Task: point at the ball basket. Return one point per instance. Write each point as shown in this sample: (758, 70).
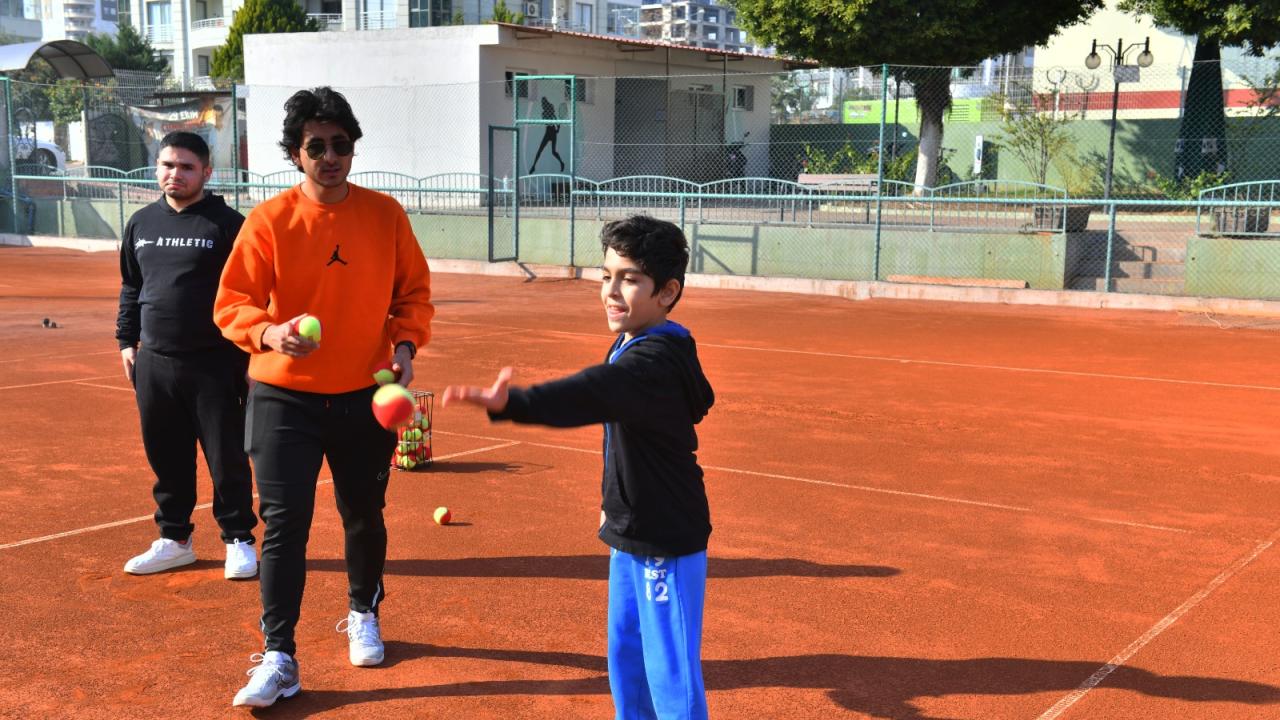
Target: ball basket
(413, 440)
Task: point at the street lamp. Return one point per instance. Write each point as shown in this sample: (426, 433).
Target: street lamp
(1093, 61)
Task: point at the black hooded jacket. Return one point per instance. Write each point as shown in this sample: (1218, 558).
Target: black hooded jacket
(170, 265)
(649, 393)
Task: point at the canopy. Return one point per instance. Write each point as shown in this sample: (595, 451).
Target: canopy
(69, 58)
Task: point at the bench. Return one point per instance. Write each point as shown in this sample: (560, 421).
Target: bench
(843, 184)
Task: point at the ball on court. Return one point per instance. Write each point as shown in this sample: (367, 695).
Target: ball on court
(392, 406)
(383, 374)
(309, 328)
(442, 516)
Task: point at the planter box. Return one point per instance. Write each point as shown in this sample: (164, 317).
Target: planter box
(1049, 217)
(1250, 220)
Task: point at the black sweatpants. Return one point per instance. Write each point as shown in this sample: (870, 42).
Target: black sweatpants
(190, 397)
(287, 435)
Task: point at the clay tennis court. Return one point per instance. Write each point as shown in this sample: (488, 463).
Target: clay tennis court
(921, 510)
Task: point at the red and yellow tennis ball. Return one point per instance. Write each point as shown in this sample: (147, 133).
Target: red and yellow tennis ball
(308, 326)
(392, 406)
(383, 373)
(442, 516)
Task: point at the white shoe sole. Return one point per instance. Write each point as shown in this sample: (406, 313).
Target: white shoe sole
(259, 702)
(161, 566)
(230, 574)
(366, 661)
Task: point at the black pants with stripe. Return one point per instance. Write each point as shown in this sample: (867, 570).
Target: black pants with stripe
(187, 398)
(288, 434)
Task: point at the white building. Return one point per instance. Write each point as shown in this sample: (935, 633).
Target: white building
(21, 19)
(75, 19)
(428, 108)
(697, 24)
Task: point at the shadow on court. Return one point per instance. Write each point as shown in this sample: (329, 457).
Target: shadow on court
(596, 567)
(882, 687)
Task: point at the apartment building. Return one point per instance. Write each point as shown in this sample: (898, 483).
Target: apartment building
(696, 24)
(75, 19)
(20, 19)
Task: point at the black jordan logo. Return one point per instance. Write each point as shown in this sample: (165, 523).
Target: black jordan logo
(336, 257)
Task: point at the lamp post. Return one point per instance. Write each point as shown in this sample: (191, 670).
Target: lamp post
(1093, 61)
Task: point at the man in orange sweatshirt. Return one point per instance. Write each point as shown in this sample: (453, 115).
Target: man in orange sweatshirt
(347, 256)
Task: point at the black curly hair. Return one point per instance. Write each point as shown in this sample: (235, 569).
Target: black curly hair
(657, 246)
(322, 104)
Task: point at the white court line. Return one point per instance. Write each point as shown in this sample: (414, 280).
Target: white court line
(939, 363)
(205, 506)
(57, 382)
(865, 488)
(107, 387)
(58, 355)
(1097, 677)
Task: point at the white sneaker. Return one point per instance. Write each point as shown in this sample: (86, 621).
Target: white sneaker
(242, 561)
(275, 676)
(165, 554)
(364, 639)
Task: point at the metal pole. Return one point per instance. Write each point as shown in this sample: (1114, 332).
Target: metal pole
(13, 158)
(1111, 235)
(235, 145)
(1111, 146)
(573, 165)
(884, 104)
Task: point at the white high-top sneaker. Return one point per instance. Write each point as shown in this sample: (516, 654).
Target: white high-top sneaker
(364, 638)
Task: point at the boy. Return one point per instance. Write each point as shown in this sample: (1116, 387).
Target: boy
(649, 393)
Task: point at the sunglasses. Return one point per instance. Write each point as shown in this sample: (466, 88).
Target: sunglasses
(342, 147)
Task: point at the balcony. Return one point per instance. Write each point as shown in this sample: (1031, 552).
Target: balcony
(378, 20)
(329, 22)
(209, 32)
(78, 11)
(160, 35)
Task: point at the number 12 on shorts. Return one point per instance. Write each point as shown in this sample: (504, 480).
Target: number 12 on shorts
(655, 580)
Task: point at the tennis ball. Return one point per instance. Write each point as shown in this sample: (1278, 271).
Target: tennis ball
(442, 516)
(309, 328)
(392, 405)
(383, 374)
(413, 435)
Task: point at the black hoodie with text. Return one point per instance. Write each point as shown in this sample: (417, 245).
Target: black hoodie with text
(170, 265)
(649, 393)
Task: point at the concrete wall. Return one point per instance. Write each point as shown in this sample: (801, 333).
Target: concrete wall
(1233, 267)
(409, 126)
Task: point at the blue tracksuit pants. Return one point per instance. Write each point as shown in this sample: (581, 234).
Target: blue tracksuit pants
(655, 636)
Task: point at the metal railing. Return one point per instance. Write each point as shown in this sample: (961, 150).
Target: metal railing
(209, 23)
(378, 20)
(331, 22)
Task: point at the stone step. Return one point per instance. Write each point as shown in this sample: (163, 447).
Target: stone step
(1129, 285)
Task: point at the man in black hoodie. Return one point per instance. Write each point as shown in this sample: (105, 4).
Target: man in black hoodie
(188, 380)
(649, 393)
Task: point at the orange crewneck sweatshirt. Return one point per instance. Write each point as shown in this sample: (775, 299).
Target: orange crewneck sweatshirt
(354, 264)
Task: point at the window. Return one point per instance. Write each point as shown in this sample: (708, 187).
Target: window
(581, 90)
(202, 65)
(710, 16)
(158, 14)
(583, 16)
(677, 13)
(744, 97)
(510, 84)
(429, 13)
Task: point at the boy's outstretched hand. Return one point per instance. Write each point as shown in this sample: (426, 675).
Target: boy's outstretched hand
(492, 398)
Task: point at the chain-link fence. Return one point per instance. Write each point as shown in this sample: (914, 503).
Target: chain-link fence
(1152, 179)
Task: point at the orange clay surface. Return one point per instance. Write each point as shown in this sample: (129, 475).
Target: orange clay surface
(921, 510)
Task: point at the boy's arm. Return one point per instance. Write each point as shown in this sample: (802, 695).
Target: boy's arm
(129, 317)
(411, 309)
(244, 292)
(598, 394)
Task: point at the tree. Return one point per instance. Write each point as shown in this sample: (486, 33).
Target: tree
(502, 14)
(127, 50)
(925, 38)
(257, 17)
(1251, 24)
(1034, 137)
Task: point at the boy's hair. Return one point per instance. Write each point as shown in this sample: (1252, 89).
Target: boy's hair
(322, 104)
(187, 141)
(657, 246)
